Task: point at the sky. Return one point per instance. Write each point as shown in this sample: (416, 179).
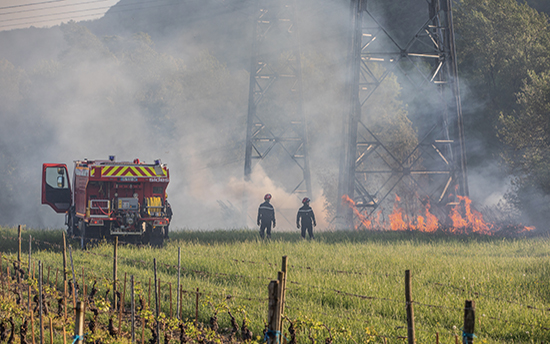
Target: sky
(20, 14)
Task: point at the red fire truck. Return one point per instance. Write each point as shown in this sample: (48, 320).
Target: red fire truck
(110, 198)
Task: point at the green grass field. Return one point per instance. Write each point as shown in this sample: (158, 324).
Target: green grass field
(352, 283)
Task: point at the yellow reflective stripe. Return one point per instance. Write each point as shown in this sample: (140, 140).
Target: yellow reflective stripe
(133, 171)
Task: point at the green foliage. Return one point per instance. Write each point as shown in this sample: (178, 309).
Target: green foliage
(498, 43)
(527, 133)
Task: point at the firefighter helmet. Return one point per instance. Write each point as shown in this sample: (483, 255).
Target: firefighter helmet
(305, 200)
(267, 197)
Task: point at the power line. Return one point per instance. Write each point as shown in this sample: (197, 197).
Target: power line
(51, 7)
(87, 15)
(34, 3)
(49, 20)
(55, 14)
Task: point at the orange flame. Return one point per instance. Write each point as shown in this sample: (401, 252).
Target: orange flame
(472, 219)
(464, 219)
(362, 218)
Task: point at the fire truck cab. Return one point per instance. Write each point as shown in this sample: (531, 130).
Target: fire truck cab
(110, 198)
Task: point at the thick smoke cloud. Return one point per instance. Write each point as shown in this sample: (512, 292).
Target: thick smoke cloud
(177, 96)
(171, 83)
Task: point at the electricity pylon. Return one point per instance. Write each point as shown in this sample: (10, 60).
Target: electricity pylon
(423, 56)
(276, 125)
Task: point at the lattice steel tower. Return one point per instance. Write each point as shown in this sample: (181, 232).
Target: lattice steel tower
(276, 126)
(422, 58)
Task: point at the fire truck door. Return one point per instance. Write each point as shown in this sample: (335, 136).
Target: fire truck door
(56, 189)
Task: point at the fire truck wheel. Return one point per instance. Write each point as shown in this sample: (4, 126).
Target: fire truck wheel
(157, 239)
(154, 236)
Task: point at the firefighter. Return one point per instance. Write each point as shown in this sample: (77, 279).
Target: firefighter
(266, 216)
(169, 215)
(307, 217)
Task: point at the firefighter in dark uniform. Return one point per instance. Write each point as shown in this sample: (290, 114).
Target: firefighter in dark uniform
(307, 217)
(169, 216)
(266, 217)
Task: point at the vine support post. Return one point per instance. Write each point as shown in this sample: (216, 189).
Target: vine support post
(51, 330)
(157, 301)
(65, 299)
(79, 323)
(132, 310)
(115, 248)
(410, 311)
(40, 302)
(19, 255)
(32, 316)
(273, 315)
(64, 257)
(30, 255)
(179, 294)
(283, 290)
(281, 278)
(2, 275)
(469, 322)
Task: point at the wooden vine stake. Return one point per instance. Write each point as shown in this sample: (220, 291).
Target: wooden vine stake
(280, 291)
(282, 284)
(2, 275)
(115, 247)
(79, 323)
(40, 300)
(64, 257)
(272, 314)
(51, 330)
(32, 317)
(8, 279)
(19, 255)
(410, 311)
(65, 299)
(30, 254)
(157, 301)
(178, 302)
(132, 310)
(469, 322)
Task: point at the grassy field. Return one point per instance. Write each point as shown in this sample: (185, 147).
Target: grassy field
(351, 283)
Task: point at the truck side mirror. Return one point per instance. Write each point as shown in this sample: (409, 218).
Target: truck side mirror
(60, 181)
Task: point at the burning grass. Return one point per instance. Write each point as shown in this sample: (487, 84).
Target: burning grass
(461, 219)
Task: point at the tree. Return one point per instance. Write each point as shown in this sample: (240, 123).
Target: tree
(498, 42)
(526, 133)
